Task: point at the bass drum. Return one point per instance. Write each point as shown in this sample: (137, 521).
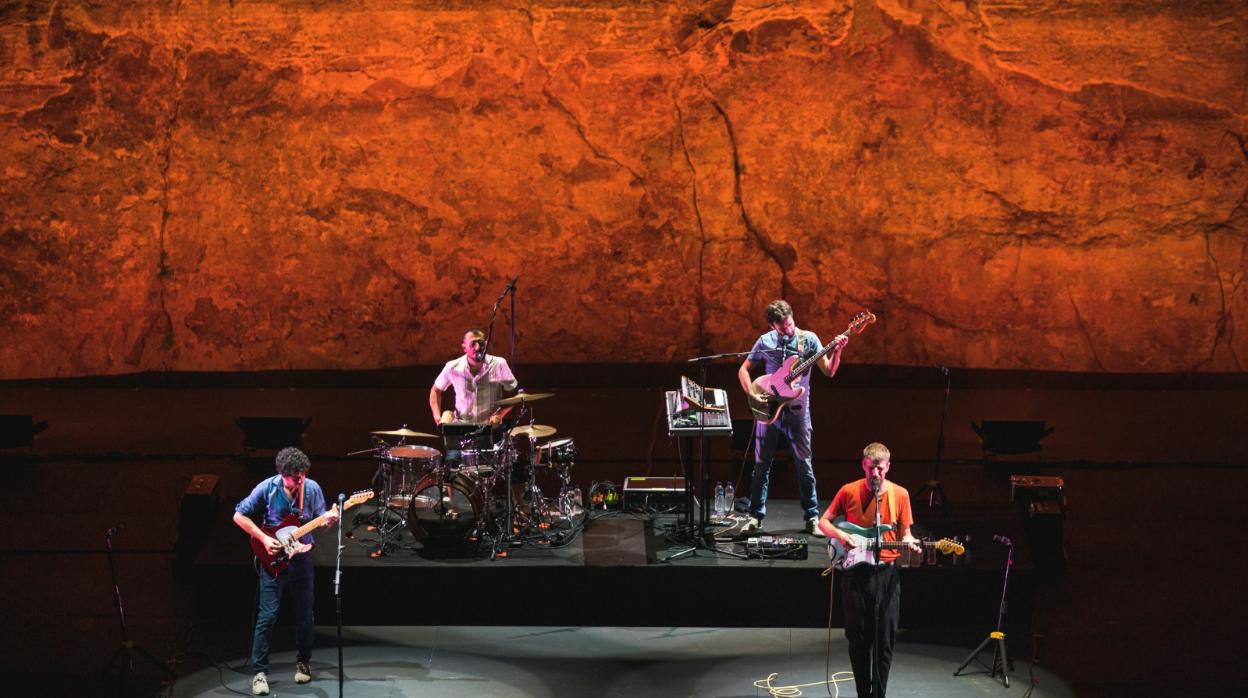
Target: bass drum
(448, 511)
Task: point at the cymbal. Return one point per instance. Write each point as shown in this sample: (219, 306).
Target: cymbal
(405, 432)
(523, 397)
(536, 431)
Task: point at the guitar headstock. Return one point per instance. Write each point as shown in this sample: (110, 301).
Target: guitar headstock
(860, 322)
(357, 498)
(947, 546)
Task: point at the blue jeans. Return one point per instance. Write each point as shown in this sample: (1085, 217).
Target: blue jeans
(298, 579)
(794, 424)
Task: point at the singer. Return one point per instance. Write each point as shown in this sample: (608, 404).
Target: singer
(479, 380)
(871, 594)
(770, 351)
(288, 492)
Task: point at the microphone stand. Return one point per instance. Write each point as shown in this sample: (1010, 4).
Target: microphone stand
(342, 498)
(489, 333)
(124, 656)
(936, 494)
(877, 608)
(1000, 660)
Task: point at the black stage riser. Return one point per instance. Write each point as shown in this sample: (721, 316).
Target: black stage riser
(933, 600)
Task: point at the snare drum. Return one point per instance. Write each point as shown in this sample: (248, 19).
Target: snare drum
(402, 468)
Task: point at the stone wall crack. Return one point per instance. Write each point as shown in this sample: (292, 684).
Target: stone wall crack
(171, 124)
(564, 109)
(766, 245)
(1083, 329)
(702, 243)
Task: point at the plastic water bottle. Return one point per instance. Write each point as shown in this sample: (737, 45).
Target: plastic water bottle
(719, 500)
(730, 498)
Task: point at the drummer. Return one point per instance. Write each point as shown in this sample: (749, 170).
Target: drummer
(479, 380)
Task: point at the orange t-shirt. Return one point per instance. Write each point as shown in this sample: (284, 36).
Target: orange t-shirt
(855, 503)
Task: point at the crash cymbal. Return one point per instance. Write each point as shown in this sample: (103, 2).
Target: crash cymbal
(405, 432)
(536, 431)
(523, 397)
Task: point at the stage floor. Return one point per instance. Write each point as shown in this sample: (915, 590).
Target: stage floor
(540, 661)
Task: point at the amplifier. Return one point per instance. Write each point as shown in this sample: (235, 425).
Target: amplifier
(776, 547)
(656, 492)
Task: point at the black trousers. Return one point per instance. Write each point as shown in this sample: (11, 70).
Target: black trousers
(865, 591)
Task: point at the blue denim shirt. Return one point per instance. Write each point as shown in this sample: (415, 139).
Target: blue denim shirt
(763, 353)
(270, 500)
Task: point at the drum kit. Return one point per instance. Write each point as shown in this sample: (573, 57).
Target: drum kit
(484, 491)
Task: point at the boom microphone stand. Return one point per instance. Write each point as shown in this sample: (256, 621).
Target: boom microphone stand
(1000, 660)
(877, 487)
(124, 656)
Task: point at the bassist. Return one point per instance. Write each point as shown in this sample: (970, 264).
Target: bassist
(793, 421)
(871, 593)
(274, 499)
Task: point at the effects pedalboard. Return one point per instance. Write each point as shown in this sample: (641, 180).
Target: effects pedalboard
(776, 547)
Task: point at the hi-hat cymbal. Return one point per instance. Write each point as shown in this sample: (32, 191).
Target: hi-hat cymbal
(523, 397)
(405, 432)
(535, 431)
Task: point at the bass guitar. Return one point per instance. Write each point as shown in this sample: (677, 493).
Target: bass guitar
(288, 533)
(864, 554)
(772, 391)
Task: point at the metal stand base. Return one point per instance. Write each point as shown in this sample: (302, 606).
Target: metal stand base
(1000, 659)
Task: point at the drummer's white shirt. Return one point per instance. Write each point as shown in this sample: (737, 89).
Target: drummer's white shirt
(475, 395)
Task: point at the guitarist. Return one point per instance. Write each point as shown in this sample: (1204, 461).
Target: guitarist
(871, 593)
(785, 340)
(288, 492)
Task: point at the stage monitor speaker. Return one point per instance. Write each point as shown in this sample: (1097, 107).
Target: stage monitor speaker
(19, 430)
(272, 432)
(1008, 437)
(196, 513)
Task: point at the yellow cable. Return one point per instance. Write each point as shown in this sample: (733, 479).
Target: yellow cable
(796, 689)
(837, 678)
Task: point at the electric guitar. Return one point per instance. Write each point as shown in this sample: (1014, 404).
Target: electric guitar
(772, 391)
(288, 533)
(844, 559)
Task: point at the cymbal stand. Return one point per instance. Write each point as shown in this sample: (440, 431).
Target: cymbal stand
(385, 520)
(508, 525)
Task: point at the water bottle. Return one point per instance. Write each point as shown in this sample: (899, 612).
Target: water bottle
(931, 550)
(954, 560)
(966, 543)
(719, 500)
(730, 498)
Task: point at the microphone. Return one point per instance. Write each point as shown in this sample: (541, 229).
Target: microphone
(341, 498)
(512, 284)
(1002, 539)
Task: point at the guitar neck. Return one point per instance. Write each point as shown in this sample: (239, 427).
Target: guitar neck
(804, 366)
(319, 521)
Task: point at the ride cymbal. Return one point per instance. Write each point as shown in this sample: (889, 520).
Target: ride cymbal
(534, 431)
(523, 397)
(406, 432)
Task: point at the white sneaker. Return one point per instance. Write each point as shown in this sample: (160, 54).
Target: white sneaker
(260, 684)
(812, 527)
(302, 673)
(752, 524)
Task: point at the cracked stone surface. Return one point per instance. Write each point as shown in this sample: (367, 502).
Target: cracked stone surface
(204, 185)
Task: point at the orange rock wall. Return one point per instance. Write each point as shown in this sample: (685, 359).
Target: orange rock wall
(214, 185)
